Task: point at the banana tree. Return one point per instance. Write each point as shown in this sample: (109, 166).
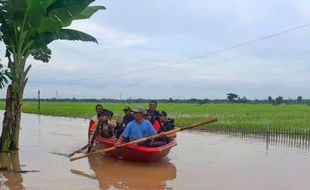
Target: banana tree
(3, 77)
(27, 28)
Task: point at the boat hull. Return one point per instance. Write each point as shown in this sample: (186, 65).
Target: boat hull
(136, 153)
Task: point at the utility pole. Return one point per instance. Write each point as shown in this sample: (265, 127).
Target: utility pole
(39, 100)
(57, 96)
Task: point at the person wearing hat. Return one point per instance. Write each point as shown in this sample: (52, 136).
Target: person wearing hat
(167, 124)
(102, 128)
(137, 129)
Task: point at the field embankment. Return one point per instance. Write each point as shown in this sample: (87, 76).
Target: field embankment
(231, 116)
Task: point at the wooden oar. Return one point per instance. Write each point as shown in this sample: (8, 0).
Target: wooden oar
(73, 153)
(144, 139)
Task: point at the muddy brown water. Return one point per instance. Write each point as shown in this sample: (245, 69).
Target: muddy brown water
(202, 160)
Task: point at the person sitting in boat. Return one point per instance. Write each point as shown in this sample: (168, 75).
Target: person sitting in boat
(112, 122)
(166, 124)
(155, 122)
(153, 110)
(94, 119)
(102, 128)
(128, 117)
(139, 128)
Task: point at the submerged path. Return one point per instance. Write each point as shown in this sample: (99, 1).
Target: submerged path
(202, 160)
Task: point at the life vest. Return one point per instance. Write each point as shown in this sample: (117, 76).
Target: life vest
(105, 130)
(93, 120)
(156, 125)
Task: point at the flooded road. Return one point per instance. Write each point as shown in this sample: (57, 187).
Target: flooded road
(202, 160)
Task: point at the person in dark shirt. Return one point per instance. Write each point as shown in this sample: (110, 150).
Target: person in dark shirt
(128, 117)
(166, 124)
(153, 110)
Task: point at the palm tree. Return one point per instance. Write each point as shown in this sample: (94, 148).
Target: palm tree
(27, 27)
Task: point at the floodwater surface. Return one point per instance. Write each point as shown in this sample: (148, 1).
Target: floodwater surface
(202, 160)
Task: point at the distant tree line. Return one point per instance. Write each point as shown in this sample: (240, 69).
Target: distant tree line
(232, 98)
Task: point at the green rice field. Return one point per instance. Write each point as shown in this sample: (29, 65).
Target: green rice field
(231, 116)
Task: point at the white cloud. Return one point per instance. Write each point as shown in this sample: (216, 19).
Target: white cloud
(165, 36)
(305, 7)
(105, 34)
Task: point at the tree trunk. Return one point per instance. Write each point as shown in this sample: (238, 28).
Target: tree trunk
(11, 123)
(17, 57)
(9, 140)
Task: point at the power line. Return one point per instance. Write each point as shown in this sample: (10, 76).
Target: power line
(215, 52)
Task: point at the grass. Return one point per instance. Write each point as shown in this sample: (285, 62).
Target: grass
(231, 116)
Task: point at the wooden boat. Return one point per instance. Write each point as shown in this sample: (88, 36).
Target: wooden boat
(136, 153)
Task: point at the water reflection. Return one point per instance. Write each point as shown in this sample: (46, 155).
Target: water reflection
(111, 173)
(10, 179)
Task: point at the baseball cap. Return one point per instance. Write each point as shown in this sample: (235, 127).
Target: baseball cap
(163, 113)
(106, 113)
(139, 110)
(127, 108)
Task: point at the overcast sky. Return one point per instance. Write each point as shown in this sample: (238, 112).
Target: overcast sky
(140, 43)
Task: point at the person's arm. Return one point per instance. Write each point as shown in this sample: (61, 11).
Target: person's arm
(91, 122)
(120, 141)
(123, 136)
(92, 131)
(112, 129)
(93, 135)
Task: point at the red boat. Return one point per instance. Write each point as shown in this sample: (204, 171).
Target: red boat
(136, 153)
